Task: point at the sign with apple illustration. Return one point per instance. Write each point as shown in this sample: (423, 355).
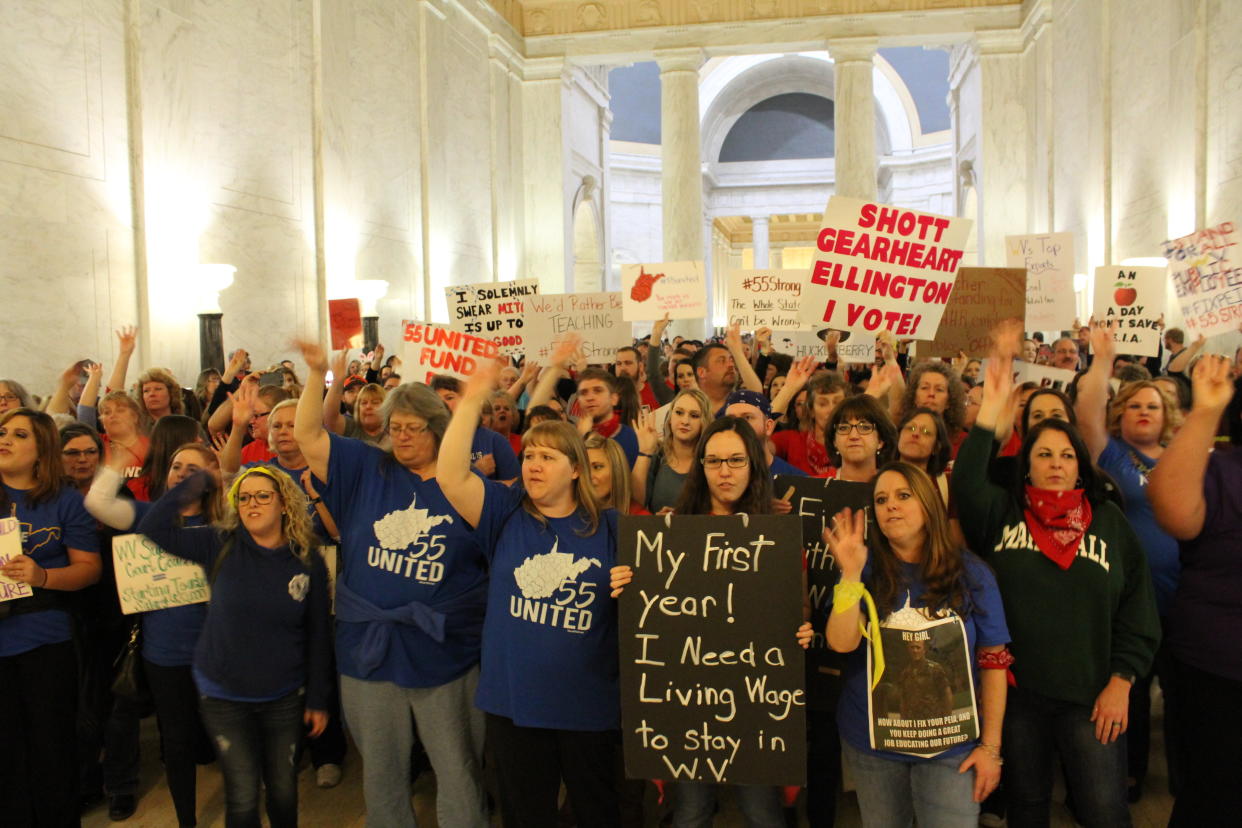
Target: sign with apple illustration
(1134, 298)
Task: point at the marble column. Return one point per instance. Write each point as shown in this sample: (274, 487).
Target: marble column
(854, 116)
(1001, 169)
(681, 180)
(548, 224)
(760, 239)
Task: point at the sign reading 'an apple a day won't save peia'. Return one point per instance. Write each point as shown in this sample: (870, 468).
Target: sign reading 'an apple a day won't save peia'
(649, 291)
(1132, 298)
(881, 267)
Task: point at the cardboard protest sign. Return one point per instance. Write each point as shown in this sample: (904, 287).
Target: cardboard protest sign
(597, 317)
(430, 349)
(1048, 259)
(651, 290)
(982, 297)
(11, 547)
(148, 578)
(853, 346)
(711, 674)
(1045, 376)
(345, 322)
(880, 267)
(770, 298)
(817, 501)
(1207, 278)
(493, 310)
(1134, 298)
(925, 702)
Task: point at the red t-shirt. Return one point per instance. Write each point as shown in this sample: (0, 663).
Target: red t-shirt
(648, 397)
(256, 451)
(515, 442)
(801, 449)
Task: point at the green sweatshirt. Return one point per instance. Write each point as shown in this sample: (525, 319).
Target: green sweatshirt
(1072, 628)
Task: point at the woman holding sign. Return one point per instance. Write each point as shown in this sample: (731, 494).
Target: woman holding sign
(48, 547)
(910, 722)
(549, 683)
(1057, 544)
(730, 476)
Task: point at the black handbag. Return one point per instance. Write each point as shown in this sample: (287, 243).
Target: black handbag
(127, 679)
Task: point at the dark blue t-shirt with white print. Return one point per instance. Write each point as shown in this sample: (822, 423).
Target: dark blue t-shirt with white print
(48, 531)
(401, 542)
(550, 639)
(490, 442)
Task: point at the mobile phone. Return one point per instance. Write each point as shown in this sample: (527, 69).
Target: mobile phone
(276, 378)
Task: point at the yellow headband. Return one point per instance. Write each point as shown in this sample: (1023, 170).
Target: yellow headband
(263, 470)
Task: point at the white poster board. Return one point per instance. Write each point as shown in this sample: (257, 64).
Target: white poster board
(771, 298)
(879, 267)
(493, 310)
(10, 548)
(1049, 262)
(651, 290)
(596, 317)
(1207, 278)
(148, 578)
(1133, 298)
(428, 350)
(853, 346)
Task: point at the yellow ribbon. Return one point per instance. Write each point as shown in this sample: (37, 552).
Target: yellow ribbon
(844, 596)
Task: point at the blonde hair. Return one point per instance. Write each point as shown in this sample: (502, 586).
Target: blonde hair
(1117, 407)
(561, 436)
(618, 470)
(368, 390)
(271, 435)
(705, 408)
(165, 377)
(295, 522)
(141, 420)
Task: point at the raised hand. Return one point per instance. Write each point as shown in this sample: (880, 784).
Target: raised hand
(127, 338)
(69, 377)
(658, 328)
(800, 372)
(243, 403)
(733, 336)
(340, 364)
(1103, 347)
(530, 370)
(565, 351)
(1211, 385)
(238, 361)
(483, 381)
(1007, 339)
(844, 536)
(313, 354)
(645, 428)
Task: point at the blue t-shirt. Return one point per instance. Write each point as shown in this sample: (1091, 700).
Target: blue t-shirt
(1161, 548)
(169, 635)
(781, 466)
(628, 440)
(550, 639)
(490, 442)
(984, 626)
(49, 530)
(402, 542)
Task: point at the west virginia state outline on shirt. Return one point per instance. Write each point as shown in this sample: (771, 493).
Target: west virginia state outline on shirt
(407, 529)
(551, 594)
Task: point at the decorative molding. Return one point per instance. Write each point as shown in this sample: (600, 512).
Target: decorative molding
(550, 18)
(852, 49)
(680, 60)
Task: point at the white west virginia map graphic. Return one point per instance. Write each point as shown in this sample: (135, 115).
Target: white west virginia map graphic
(399, 529)
(541, 575)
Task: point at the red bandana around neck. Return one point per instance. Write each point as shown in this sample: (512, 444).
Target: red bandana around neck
(608, 427)
(1057, 521)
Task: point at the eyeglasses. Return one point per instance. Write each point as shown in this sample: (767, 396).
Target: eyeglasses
(9, 398)
(90, 452)
(259, 415)
(843, 429)
(735, 462)
(262, 498)
(396, 429)
(916, 430)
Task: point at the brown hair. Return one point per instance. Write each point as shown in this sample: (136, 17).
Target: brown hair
(213, 497)
(49, 471)
(618, 470)
(561, 436)
(163, 376)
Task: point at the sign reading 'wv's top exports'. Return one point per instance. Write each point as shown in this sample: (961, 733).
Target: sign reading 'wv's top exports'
(880, 267)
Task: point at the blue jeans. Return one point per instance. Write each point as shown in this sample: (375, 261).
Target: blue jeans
(1036, 728)
(696, 804)
(891, 793)
(257, 740)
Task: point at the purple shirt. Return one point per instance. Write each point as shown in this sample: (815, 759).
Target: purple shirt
(1207, 610)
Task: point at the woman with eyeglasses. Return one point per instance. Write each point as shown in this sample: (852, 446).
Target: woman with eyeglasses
(936, 385)
(860, 438)
(13, 395)
(262, 662)
(662, 464)
(411, 591)
(168, 639)
(923, 441)
(53, 549)
(549, 682)
(1055, 541)
(730, 476)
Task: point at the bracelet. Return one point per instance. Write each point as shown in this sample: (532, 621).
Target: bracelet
(315, 501)
(45, 576)
(645, 454)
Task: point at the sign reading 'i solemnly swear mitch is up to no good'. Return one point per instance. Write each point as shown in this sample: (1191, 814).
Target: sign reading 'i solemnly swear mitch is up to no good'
(881, 267)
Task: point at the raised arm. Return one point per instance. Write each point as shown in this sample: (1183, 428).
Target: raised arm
(655, 351)
(103, 504)
(162, 522)
(90, 391)
(796, 379)
(1177, 364)
(60, 403)
(308, 427)
(463, 488)
(242, 409)
(1175, 487)
(333, 419)
(530, 370)
(557, 366)
(845, 540)
(648, 443)
(733, 341)
(1092, 403)
(127, 338)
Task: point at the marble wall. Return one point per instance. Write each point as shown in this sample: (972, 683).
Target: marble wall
(421, 162)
